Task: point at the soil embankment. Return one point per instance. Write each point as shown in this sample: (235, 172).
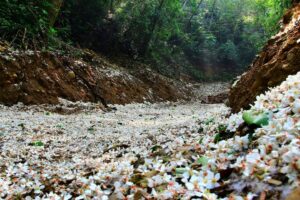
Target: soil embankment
(279, 58)
(44, 77)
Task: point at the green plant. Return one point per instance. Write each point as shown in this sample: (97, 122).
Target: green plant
(37, 144)
(256, 118)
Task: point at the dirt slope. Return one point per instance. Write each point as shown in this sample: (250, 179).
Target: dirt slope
(44, 77)
(279, 58)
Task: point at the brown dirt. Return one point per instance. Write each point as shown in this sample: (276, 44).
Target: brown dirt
(218, 98)
(44, 77)
(279, 58)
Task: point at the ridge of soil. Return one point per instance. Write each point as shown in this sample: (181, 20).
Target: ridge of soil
(36, 77)
(278, 60)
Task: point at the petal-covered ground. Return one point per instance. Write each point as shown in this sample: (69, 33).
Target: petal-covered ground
(88, 152)
(160, 151)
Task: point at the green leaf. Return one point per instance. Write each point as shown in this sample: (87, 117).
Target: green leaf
(256, 118)
(201, 140)
(202, 160)
(222, 128)
(156, 147)
(22, 125)
(59, 126)
(45, 12)
(52, 31)
(180, 171)
(217, 138)
(211, 120)
(250, 137)
(37, 144)
(91, 129)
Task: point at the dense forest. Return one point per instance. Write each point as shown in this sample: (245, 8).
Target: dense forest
(207, 39)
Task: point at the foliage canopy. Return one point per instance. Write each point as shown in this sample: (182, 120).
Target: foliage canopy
(199, 37)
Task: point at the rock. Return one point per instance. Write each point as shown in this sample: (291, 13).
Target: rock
(71, 75)
(279, 59)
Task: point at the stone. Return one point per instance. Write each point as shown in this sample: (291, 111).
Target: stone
(71, 75)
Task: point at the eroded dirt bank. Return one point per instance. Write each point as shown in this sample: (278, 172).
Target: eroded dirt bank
(43, 77)
(279, 58)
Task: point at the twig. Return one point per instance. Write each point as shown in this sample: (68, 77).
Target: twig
(24, 35)
(115, 147)
(34, 45)
(13, 40)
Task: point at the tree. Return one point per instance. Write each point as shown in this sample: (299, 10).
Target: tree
(53, 10)
(194, 13)
(190, 34)
(153, 23)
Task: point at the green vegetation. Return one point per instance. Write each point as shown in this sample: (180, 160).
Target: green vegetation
(204, 38)
(256, 118)
(28, 24)
(37, 144)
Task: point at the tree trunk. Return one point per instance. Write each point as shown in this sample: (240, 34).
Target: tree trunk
(184, 4)
(148, 37)
(53, 11)
(212, 14)
(111, 6)
(295, 1)
(189, 23)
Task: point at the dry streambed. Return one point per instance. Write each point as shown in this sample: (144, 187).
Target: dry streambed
(45, 153)
(154, 151)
